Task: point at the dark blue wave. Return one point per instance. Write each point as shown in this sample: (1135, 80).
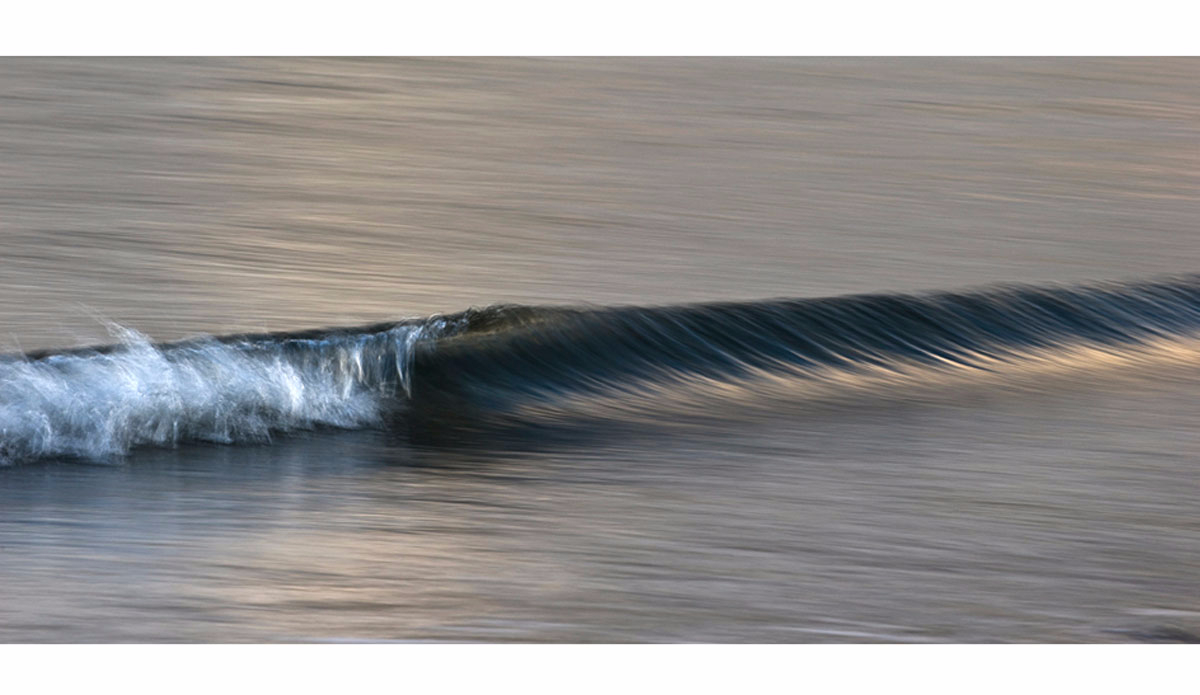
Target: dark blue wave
(502, 356)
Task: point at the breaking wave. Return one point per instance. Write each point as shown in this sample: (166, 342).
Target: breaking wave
(515, 362)
(95, 403)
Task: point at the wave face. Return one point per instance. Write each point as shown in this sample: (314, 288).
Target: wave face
(538, 362)
(519, 362)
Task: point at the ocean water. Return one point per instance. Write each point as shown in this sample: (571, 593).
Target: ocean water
(582, 350)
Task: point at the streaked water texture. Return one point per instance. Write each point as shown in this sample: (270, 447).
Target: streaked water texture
(515, 363)
(733, 350)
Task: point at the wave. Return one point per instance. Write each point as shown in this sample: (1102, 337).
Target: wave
(520, 362)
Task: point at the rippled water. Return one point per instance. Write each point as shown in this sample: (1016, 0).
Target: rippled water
(1001, 464)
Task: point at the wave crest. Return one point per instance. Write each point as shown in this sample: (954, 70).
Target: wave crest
(99, 402)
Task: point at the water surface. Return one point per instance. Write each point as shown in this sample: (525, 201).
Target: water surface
(1048, 500)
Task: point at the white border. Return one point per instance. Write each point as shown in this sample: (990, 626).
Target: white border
(616, 27)
(605, 669)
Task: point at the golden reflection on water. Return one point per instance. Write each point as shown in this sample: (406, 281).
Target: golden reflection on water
(185, 196)
(1052, 500)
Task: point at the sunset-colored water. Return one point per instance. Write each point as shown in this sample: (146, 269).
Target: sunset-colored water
(789, 350)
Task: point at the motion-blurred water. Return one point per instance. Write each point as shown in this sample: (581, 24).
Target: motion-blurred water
(1049, 500)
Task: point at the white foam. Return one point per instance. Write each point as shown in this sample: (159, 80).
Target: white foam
(98, 405)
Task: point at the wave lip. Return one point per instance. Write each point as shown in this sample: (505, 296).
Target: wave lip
(508, 363)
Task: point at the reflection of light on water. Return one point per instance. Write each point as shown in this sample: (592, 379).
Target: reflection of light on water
(212, 197)
(222, 196)
(761, 390)
(421, 558)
